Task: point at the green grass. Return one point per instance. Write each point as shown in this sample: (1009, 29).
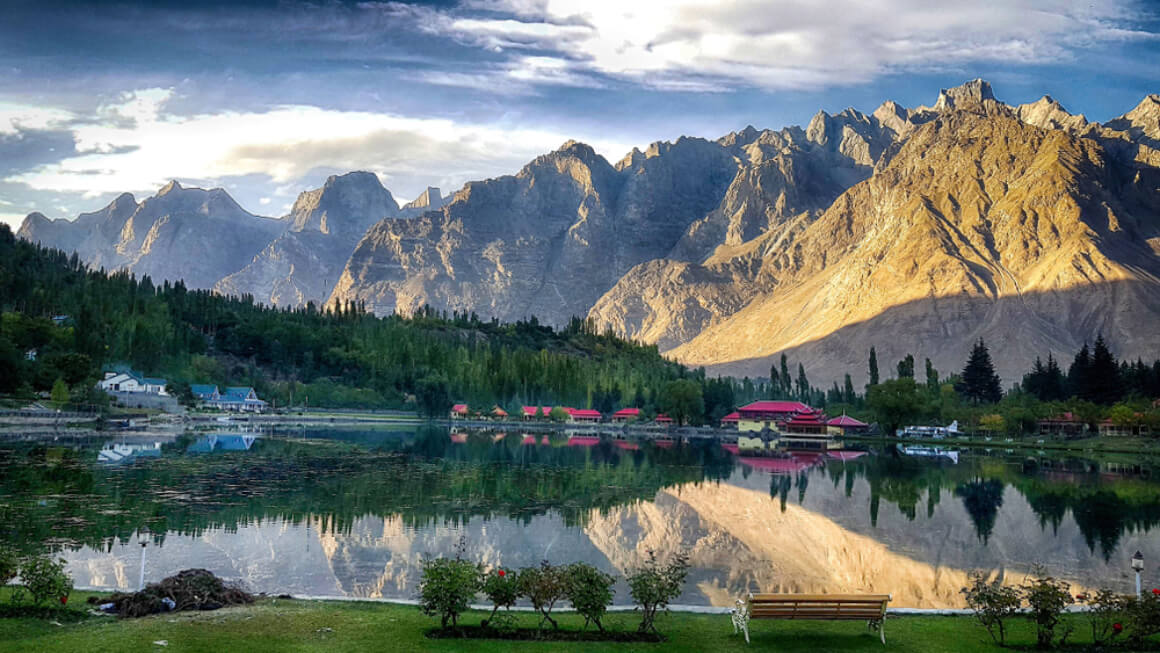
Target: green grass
(337, 626)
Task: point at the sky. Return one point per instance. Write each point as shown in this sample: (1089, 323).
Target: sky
(267, 99)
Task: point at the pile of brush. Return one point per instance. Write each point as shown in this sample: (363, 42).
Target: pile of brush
(192, 589)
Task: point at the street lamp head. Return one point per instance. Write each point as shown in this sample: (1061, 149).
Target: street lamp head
(1138, 561)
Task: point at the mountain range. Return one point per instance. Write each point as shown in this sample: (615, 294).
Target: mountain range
(916, 231)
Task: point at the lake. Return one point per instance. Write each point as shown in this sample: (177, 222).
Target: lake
(352, 512)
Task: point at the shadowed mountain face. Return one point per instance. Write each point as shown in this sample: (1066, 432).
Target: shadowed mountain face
(302, 264)
(188, 234)
(545, 242)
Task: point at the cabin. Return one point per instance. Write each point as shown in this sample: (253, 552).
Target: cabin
(768, 414)
(584, 415)
(625, 415)
(241, 399)
(846, 425)
(498, 413)
(459, 411)
(663, 420)
(130, 381)
(730, 420)
(1065, 424)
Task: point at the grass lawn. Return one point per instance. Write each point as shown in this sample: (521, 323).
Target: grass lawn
(337, 626)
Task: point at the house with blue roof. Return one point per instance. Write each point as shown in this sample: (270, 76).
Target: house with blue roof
(241, 399)
(204, 392)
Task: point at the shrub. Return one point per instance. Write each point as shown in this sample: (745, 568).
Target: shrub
(992, 602)
(503, 590)
(1047, 598)
(543, 586)
(653, 585)
(590, 591)
(1106, 611)
(1143, 615)
(43, 579)
(447, 586)
(9, 565)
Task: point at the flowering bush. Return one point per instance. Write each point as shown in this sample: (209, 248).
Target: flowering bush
(653, 585)
(590, 591)
(1143, 616)
(543, 586)
(1047, 598)
(501, 586)
(43, 579)
(447, 586)
(1106, 611)
(992, 603)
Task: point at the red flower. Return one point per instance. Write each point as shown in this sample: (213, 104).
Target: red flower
(63, 600)
(502, 573)
(1156, 591)
(1081, 597)
(1117, 627)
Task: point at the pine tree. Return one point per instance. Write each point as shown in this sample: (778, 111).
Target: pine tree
(873, 367)
(774, 383)
(848, 396)
(980, 383)
(1079, 374)
(1104, 375)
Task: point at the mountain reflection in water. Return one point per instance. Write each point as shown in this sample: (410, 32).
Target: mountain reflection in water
(352, 512)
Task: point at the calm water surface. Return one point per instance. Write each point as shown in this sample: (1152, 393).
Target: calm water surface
(353, 512)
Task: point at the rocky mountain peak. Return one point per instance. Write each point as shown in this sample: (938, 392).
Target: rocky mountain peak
(169, 188)
(1048, 113)
(432, 198)
(965, 95)
(353, 201)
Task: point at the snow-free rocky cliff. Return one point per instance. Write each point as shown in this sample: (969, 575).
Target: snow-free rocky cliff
(912, 230)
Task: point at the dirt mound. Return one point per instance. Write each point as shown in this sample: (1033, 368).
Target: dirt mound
(192, 589)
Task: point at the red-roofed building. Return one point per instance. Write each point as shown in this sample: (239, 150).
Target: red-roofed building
(626, 415)
(730, 420)
(583, 415)
(663, 419)
(459, 411)
(768, 414)
(846, 425)
(532, 413)
(1065, 424)
(498, 413)
(808, 431)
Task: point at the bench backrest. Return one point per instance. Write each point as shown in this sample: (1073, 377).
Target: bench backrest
(860, 607)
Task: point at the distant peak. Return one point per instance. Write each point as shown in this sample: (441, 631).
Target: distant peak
(972, 92)
(168, 188)
(36, 216)
(576, 148)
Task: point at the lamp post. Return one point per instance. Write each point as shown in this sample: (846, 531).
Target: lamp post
(143, 539)
(1138, 566)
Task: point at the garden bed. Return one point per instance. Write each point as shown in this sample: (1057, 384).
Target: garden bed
(545, 635)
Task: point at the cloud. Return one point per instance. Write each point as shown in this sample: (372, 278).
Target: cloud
(792, 43)
(136, 146)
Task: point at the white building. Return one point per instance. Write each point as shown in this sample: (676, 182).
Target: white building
(130, 381)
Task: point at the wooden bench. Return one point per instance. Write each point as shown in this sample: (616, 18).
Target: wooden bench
(870, 608)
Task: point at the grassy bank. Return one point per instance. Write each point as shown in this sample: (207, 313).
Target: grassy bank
(334, 627)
